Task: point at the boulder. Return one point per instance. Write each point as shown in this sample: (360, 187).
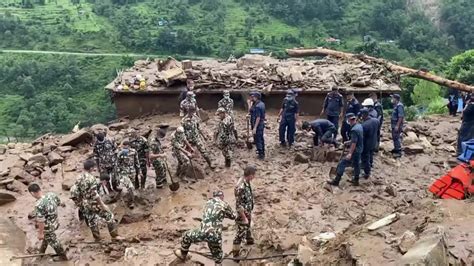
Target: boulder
(25, 156)
(430, 249)
(38, 159)
(6, 196)
(54, 158)
(406, 241)
(17, 186)
(119, 125)
(6, 181)
(414, 149)
(200, 174)
(11, 161)
(41, 139)
(65, 148)
(411, 138)
(11, 146)
(76, 138)
(48, 148)
(423, 141)
(21, 175)
(5, 173)
(135, 216)
(68, 183)
(3, 149)
(301, 158)
(305, 254)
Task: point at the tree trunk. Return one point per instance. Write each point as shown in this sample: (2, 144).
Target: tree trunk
(390, 66)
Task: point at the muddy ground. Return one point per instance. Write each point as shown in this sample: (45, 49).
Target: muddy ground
(293, 205)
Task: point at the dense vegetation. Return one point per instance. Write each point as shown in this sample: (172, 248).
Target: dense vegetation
(50, 93)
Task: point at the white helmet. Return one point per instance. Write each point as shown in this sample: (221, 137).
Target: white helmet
(368, 102)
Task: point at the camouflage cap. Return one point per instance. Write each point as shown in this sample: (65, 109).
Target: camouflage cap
(218, 193)
(220, 110)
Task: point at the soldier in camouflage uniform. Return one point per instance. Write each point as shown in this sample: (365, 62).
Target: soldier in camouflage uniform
(128, 168)
(227, 103)
(140, 144)
(46, 212)
(94, 208)
(193, 133)
(182, 150)
(224, 136)
(210, 231)
(244, 203)
(157, 158)
(187, 104)
(105, 157)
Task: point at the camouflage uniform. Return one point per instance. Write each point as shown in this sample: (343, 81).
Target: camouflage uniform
(244, 201)
(76, 198)
(178, 142)
(210, 230)
(87, 198)
(140, 144)
(186, 105)
(127, 170)
(191, 129)
(106, 157)
(225, 136)
(46, 210)
(228, 104)
(158, 164)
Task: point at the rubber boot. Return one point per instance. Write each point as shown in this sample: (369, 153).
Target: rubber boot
(136, 184)
(61, 254)
(250, 241)
(181, 254)
(236, 250)
(96, 233)
(228, 162)
(143, 181)
(43, 247)
(112, 227)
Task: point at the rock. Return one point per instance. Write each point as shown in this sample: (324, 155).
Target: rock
(319, 154)
(204, 115)
(48, 148)
(386, 146)
(130, 254)
(383, 222)
(410, 139)
(17, 187)
(22, 176)
(68, 183)
(5, 173)
(118, 126)
(54, 158)
(115, 254)
(391, 191)
(323, 238)
(11, 161)
(97, 128)
(11, 146)
(301, 158)
(425, 143)
(430, 249)
(200, 174)
(76, 138)
(134, 216)
(305, 254)
(6, 196)
(3, 149)
(38, 159)
(406, 241)
(65, 148)
(41, 139)
(414, 149)
(6, 181)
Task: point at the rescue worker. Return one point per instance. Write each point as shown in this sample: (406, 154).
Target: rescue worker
(287, 118)
(157, 157)
(257, 123)
(244, 203)
(369, 104)
(224, 136)
(46, 213)
(94, 208)
(396, 122)
(105, 157)
(370, 125)
(210, 230)
(227, 103)
(453, 102)
(466, 132)
(194, 134)
(188, 103)
(140, 144)
(353, 107)
(189, 87)
(355, 150)
(379, 108)
(332, 107)
(182, 150)
(128, 166)
(324, 131)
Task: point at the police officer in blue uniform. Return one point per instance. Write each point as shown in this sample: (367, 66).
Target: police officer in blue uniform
(333, 106)
(370, 125)
(355, 150)
(324, 131)
(396, 122)
(287, 118)
(257, 122)
(379, 109)
(353, 107)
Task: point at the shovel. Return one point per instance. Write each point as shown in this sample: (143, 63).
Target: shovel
(247, 141)
(173, 186)
(332, 171)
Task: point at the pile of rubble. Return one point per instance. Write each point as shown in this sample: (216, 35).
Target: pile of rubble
(259, 72)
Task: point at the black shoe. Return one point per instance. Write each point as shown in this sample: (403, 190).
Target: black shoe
(354, 182)
(227, 163)
(366, 176)
(250, 241)
(283, 144)
(261, 157)
(333, 183)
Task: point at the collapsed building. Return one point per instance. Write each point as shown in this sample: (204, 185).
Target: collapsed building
(153, 87)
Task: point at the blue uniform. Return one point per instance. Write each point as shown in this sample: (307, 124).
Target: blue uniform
(398, 112)
(357, 137)
(288, 121)
(353, 106)
(333, 105)
(378, 107)
(466, 132)
(258, 110)
(324, 129)
(370, 126)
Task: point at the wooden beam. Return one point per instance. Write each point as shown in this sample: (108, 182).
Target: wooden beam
(401, 70)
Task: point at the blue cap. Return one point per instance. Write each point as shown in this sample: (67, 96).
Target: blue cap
(396, 96)
(364, 111)
(290, 92)
(350, 116)
(255, 94)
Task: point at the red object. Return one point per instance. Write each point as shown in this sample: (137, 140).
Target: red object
(455, 184)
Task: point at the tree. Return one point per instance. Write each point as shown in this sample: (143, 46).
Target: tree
(461, 67)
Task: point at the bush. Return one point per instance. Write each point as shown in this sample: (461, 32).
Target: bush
(437, 107)
(411, 113)
(425, 92)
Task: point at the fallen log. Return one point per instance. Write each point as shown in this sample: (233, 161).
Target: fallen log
(390, 66)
